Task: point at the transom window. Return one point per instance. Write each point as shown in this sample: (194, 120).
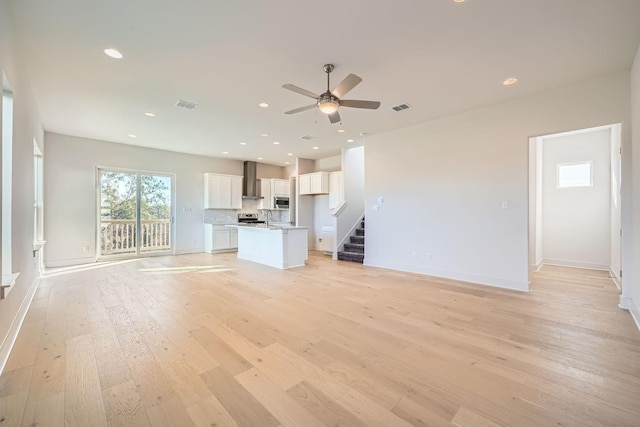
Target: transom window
(575, 174)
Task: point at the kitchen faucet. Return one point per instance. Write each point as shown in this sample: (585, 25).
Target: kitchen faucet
(269, 213)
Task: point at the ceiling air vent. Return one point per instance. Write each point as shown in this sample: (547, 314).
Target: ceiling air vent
(186, 104)
(401, 107)
(306, 137)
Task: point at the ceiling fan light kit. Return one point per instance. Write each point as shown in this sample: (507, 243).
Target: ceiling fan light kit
(329, 102)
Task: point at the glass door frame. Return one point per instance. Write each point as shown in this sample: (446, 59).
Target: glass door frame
(138, 253)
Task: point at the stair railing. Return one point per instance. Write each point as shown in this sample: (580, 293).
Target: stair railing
(340, 245)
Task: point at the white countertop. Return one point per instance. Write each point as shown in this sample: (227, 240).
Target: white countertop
(263, 227)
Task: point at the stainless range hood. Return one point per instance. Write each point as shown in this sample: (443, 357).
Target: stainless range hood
(250, 182)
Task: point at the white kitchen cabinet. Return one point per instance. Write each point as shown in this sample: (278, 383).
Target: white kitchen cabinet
(336, 189)
(222, 191)
(219, 238)
(314, 183)
(270, 188)
(265, 191)
(281, 187)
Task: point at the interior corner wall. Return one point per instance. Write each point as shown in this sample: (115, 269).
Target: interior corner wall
(26, 127)
(577, 224)
(445, 182)
(305, 209)
(615, 203)
(631, 264)
(70, 174)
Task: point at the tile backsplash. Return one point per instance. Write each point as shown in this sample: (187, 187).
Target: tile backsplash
(230, 216)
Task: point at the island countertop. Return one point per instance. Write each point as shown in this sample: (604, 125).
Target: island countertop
(280, 246)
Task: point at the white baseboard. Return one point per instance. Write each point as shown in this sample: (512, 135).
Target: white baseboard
(69, 262)
(629, 304)
(496, 282)
(615, 279)
(189, 251)
(10, 339)
(575, 264)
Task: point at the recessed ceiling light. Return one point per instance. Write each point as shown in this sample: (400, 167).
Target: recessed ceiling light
(316, 148)
(458, 1)
(114, 53)
(243, 143)
(289, 154)
(286, 163)
(150, 114)
(510, 81)
(341, 131)
(225, 152)
(259, 158)
(264, 135)
(276, 143)
(132, 135)
(349, 140)
(263, 105)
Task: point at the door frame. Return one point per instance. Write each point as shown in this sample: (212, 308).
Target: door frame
(138, 173)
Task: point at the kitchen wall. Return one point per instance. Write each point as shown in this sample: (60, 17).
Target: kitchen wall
(576, 221)
(445, 181)
(322, 213)
(70, 166)
(26, 128)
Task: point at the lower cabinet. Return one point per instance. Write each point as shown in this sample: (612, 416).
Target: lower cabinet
(218, 238)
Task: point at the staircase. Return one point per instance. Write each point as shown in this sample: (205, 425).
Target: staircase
(354, 251)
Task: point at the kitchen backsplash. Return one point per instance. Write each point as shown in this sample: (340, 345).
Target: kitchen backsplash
(230, 216)
(220, 216)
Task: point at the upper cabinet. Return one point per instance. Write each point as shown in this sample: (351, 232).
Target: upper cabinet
(270, 188)
(222, 191)
(314, 183)
(281, 187)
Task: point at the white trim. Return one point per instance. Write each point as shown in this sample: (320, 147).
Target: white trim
(628, 304)
(69, 262)
(10, 339)
(575, 264)
(197, 251)
(615, 279)
(496, 282)
(8, 280)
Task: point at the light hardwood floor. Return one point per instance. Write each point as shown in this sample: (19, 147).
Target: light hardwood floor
(209, 340)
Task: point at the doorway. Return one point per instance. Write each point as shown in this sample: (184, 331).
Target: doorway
(574, 200)
(135, 213)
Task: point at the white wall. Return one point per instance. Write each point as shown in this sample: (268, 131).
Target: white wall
(536, 150)
(26, 127)
(445, 180)
(305, 208)
(322, 213)
(630, 298)
(70, 165)
(576, 221)
(353, 160)
(615, 259)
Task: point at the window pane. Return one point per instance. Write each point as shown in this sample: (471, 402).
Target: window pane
(575, 175)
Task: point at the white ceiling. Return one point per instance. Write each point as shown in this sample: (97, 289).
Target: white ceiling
(439, 56)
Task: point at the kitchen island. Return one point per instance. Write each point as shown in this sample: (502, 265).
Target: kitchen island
(281, 246)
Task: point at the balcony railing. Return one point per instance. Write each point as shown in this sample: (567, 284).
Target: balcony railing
(118, 236)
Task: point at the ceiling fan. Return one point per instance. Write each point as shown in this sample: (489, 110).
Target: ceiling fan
(330, 101)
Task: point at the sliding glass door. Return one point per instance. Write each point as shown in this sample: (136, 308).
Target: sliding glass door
(135, 213)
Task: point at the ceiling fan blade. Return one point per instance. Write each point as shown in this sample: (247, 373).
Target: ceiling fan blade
(301, 91)
(334, 117)
(371, 105)
(297, 110)
(346, 85)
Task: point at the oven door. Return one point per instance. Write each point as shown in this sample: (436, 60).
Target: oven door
(281, 202)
